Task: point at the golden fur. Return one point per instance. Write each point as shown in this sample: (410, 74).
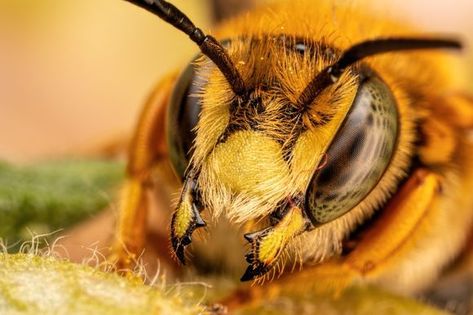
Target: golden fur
(246, 175)
(228, 174)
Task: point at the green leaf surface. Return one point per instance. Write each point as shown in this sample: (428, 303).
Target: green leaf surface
(32, 284)
(49, 196)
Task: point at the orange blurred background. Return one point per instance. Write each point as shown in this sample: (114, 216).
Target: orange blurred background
(74, 73)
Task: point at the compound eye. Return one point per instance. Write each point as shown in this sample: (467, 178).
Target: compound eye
(182, 117)
(358, 156)
(183, 113)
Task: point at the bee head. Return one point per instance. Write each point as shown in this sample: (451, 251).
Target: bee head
(279, 129)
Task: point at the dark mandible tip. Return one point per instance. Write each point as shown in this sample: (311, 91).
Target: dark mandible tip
(207, 44)
(254, 271)
(365, 49)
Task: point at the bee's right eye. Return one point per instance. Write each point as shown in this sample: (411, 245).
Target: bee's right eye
(182, 117)
(359, 154)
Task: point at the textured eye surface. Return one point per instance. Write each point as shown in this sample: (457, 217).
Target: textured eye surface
(183, 114)
(358, 156)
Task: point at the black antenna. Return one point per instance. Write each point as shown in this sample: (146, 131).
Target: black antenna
(207, 44)
(359, 51)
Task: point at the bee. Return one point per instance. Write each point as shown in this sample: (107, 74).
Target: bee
(341, 143)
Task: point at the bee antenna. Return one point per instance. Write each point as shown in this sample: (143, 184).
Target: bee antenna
(368, 48)
(207, 44)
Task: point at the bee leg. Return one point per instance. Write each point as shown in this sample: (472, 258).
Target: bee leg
(186, 219)
(146, 149)
(382, 243)
(403, 215)
(378, 248)
(268, 244)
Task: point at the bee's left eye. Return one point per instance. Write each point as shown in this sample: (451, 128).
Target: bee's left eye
(183, 114)
(182, 118)
(358, 156)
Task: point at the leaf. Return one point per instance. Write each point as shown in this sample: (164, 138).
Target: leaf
(32, 284)
(48, 196)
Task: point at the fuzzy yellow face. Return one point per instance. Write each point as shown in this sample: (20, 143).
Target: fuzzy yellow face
(258, 159)
(264, 151)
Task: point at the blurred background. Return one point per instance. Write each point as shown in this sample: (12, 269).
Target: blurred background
(75, 73)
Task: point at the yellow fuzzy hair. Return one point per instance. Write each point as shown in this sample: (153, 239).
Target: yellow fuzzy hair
(415, 78)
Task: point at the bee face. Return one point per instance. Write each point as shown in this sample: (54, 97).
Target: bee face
(257, 158)
(253, 152)
(252, 156)
(274, 127)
